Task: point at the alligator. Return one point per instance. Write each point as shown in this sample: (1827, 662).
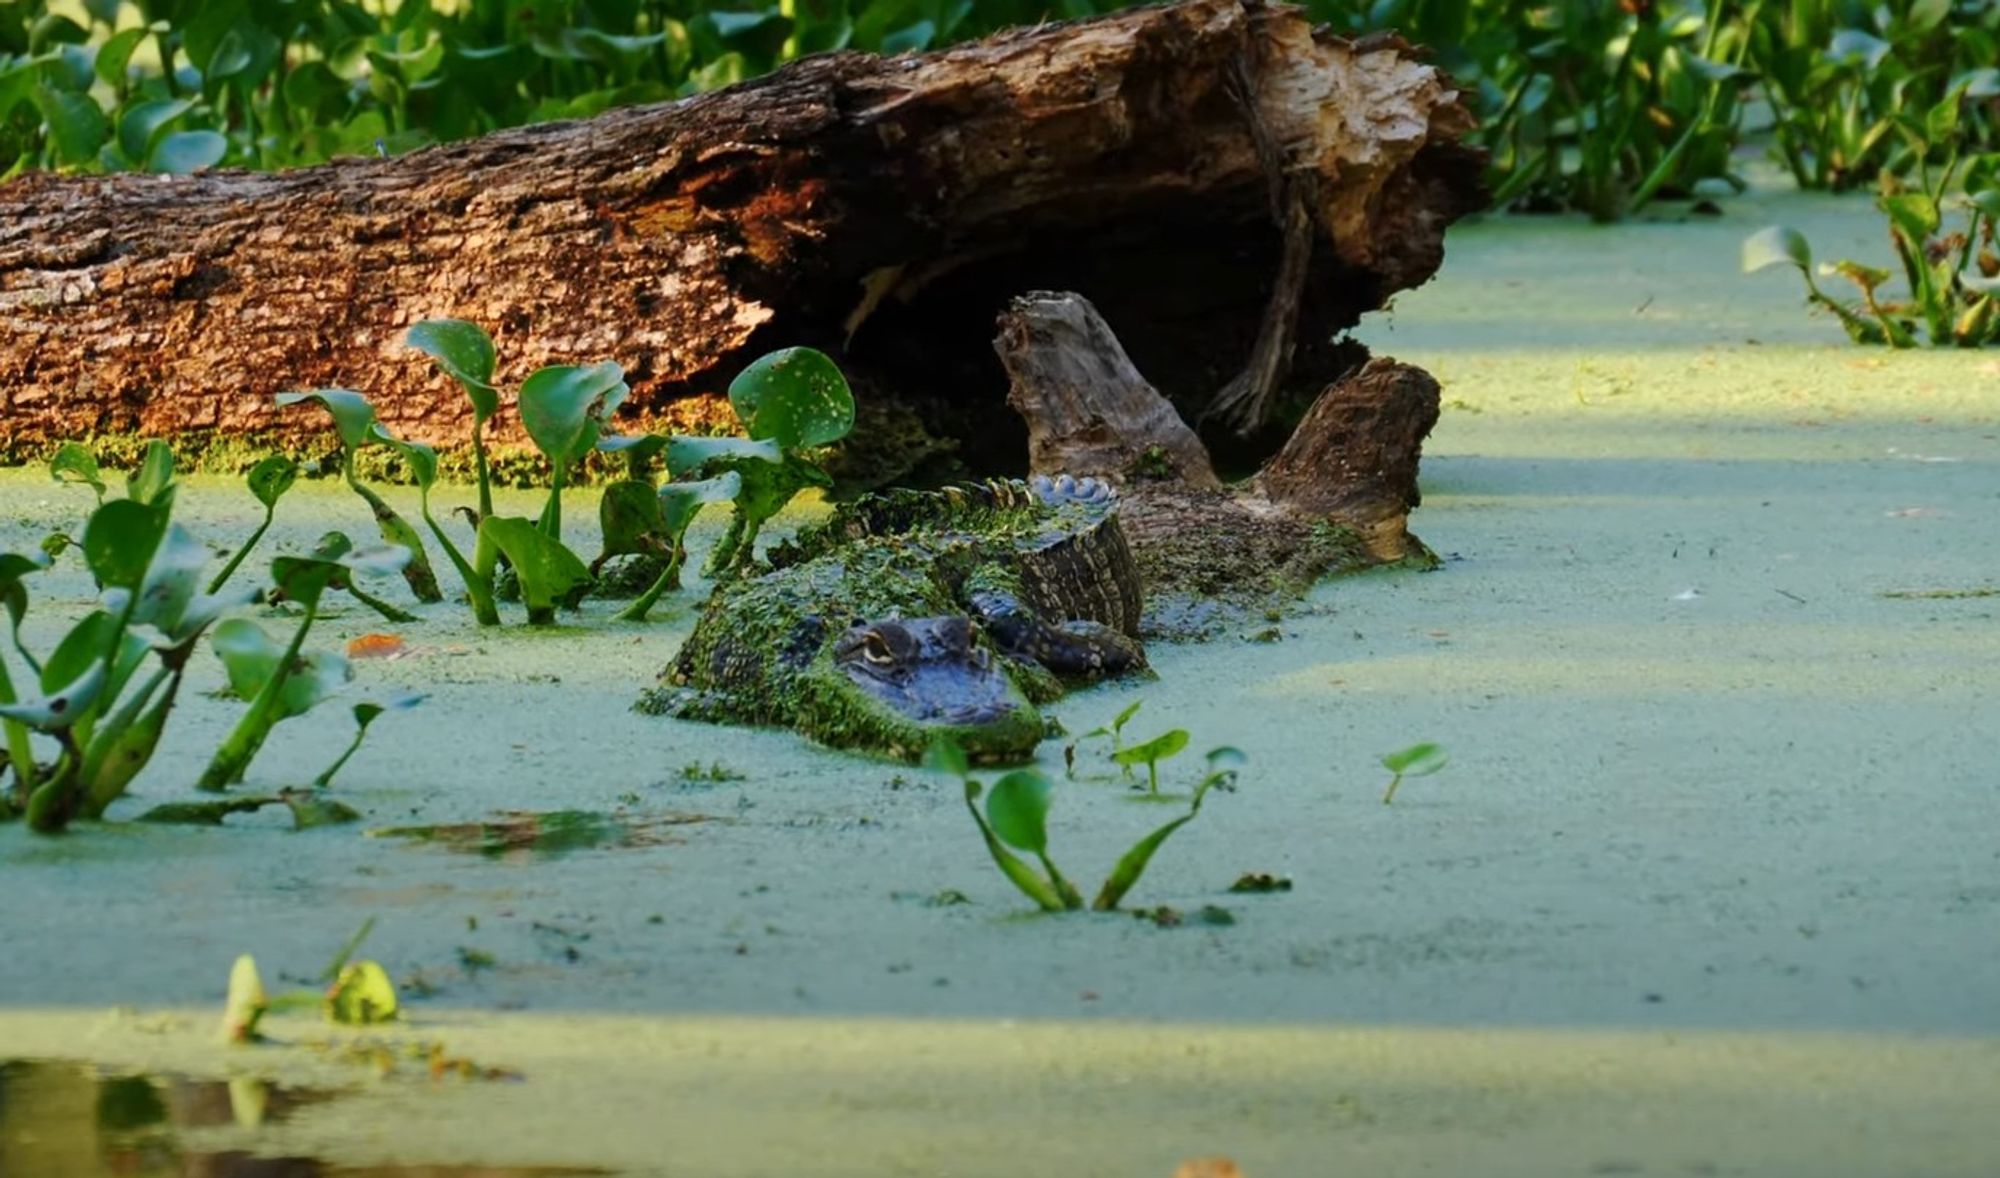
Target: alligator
(912, 614)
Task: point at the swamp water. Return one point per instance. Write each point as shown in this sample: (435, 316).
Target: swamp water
(1711, 884)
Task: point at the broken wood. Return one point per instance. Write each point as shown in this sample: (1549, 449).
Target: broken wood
(881, 209)
(1338, 495)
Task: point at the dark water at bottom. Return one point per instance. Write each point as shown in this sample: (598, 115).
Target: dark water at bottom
(69, 1120)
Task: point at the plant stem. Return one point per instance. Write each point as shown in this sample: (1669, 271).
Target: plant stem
(326, 779)
(478, 588)
(1389, 795)
(669, 578)
(233, 757)
(229, 570)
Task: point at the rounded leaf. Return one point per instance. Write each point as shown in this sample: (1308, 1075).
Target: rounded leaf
(563, 407)
(352, 414)
(687, 454)
(946, 756)
(182, 152)
(120, 539)
(1773, 246)
(1416, 761)
(796, 397)
(74, 463)
(1165, 745)
(271, 478)
(1018, 808)
(680, 502)
(464, 350)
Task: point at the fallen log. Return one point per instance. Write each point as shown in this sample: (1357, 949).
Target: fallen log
(1336, 497)
(1160, 161)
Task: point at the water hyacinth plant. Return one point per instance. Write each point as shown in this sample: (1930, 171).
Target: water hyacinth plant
(354, 421)
(1016, 816)
(103, 695)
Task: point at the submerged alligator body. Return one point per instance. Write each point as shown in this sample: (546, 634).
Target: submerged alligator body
(913, 614)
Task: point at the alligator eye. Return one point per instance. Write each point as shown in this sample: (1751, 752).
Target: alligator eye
(876, 651)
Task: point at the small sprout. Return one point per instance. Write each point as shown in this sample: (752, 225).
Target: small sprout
(364, 715)
(1151, 753)
(1419, 760)
(354, 420)
(246, 1003)
(74, 463)
(268, 480)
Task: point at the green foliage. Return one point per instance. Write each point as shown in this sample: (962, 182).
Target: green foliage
(102, 696)
(1950, 279)
(1418, 760)
(354, 420)
(1151, 753)
(794, 399)
(1016, 817)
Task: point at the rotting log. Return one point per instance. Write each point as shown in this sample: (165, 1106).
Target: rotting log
(1337, 496)
(1157, 160)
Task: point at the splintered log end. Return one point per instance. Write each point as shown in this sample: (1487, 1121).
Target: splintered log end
(1353, 458)
(1087, 409)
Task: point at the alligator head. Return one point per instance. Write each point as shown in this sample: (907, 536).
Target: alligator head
(896, 683)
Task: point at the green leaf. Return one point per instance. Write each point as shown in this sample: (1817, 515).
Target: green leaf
(116, 54)
(1987, 201)
(74, 463)
(183, 152)
(305, 579)
(548, 571)
(1854, 46)
(628, 515)
(77, 127)
(465, 351)
(120, 539)
(1419, 760)
(796, 397)
(1915, 214)
(1773, 246)
(946, 756)
(420, 458)
(59, 709)
(252, 657)
(1118, 722)
(681, 502)
(1018, 808)
(685, 455)
(153, 482)
(1132, 864)
(140, 125)
(271, 478)
(352, 414)
(563, 407)
(1155, 750)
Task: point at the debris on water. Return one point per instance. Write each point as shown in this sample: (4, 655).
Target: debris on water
(546, 833)
(1941, 594)
(375, 646)
(1261, 881)
(1687, 595)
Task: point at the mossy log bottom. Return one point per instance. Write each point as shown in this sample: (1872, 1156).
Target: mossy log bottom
(1336, 497)
(1157, 160)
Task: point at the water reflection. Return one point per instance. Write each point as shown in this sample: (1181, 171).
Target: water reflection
(67, 1120)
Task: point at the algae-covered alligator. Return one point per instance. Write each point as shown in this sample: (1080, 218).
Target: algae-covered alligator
(912, 614)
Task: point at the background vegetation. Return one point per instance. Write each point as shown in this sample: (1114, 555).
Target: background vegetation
(1588, 104)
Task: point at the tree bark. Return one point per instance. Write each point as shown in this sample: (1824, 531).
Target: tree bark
(882, 209)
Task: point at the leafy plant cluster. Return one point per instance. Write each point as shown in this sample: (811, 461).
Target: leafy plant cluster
(1584, 103)
(90, 713)
(1950, 276)
(791, 402)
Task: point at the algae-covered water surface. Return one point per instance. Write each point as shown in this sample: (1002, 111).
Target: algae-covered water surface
(1709, 884)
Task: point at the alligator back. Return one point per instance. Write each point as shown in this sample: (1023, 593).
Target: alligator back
(1062, 537)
